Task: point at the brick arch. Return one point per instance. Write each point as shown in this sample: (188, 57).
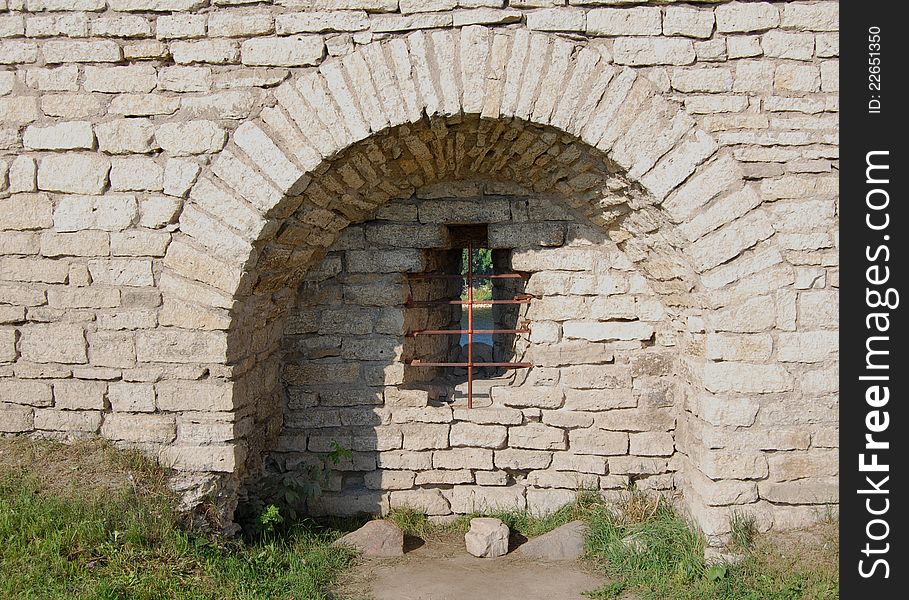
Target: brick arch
(291, 179)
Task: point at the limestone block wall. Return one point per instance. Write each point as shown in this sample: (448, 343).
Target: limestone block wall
(596, 411)
(170, 170)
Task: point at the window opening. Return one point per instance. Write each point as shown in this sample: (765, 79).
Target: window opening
(478, 293)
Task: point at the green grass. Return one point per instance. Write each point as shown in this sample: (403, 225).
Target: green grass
(482, 292)
(87, 521)
(414, 523)
(666, 560)
(73, 539)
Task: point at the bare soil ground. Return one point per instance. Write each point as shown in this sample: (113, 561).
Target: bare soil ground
(441, 569)
(68, 470)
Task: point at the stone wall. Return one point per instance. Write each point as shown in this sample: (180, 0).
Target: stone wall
(595, 412)
(171, 169)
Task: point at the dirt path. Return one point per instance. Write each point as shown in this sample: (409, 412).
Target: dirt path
(442, 570)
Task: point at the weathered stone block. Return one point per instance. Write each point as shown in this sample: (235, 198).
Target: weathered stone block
(796, 78)
(205, 51)
(653, 51)
(807, 347)
(83, 243)
(136, 174)
(597, 442)
(596, 377)
(601, 332)
(624, 21)
(791, 466)
(126, 136)
(240, 25)
(7, 345)
(804, 491)
(29, 269)
(487, 538)
(131, 79)
(690, 22)
(738, 17)
(528, 396)
(444, 211)
(121, 271)
(580, 463)
(69, 51)
(203, 458)
(785, 44)
(557, 308)
(702, 80)
(385, 261)
(483, 436)
(179, 346)
(566, 258)
(430, 502)
(74, 394)
(556, 19)
(727, 411)
(68, 421)
(746, 378)
(821, 16)
(110, 213)
(734, 347)
(651, 444)
(314, 372)
(290, 51)
(562, 479)
(26, 211)
(30, 393)
(753, 76)
(522, 459)
(537, 436)
(489, 416)
(389, 480)
(134, 397)
(480, 499)
(73, 135)
(635, 419)
(546, 502)
(442, 477)
(419, 436)
(190, 137)
(156, 429)
(177, 396)
(73, 173)
(722, 492)
(16, 419)
(753, 315)
(567, 419)
(58, 343)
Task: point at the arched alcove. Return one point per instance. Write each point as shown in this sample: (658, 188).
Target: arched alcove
(547, 113)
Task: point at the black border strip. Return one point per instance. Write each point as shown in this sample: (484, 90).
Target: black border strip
(863, 247)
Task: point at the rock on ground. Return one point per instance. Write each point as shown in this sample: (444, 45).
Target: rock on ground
(562, 543)
(487, 538)
(376, 538)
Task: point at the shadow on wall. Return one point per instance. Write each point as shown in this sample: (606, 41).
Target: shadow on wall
(595, 411)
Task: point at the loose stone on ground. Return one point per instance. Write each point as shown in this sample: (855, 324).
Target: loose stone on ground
(487, 538)
(562, 543)
(376, 538)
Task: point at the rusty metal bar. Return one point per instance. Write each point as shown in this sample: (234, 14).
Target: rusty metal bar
(470, 331)
(462, 331)
(514, 365)
(470, 325)
(523, 299)
(449, 276)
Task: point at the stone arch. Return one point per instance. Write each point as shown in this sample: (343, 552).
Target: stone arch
(634, 163)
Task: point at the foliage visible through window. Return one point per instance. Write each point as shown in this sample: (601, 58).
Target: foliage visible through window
(482, 265)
